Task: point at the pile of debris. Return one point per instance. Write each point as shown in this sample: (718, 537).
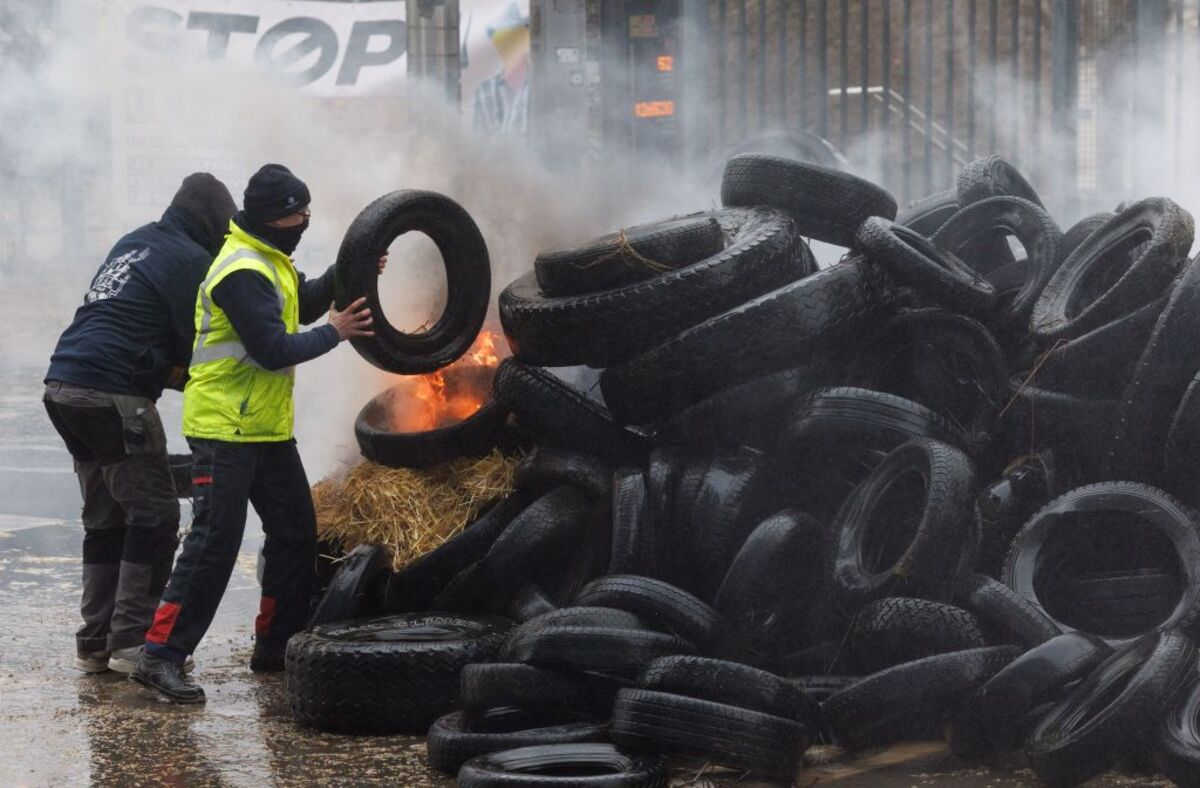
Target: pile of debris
(940, 487)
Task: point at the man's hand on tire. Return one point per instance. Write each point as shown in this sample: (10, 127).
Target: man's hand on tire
(353, 321)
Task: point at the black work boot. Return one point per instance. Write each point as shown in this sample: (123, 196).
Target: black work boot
(268, 656)
(167, 677)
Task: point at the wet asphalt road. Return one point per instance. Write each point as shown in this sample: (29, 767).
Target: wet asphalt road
(59, 727)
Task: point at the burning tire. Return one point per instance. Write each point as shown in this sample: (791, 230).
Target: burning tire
(1124, 265)
(1099, 530)
(1112, 712)
(355, 591)
(458, 737)
(763, 252)
(693, 728)
(893, 630)
(909, 701)
(393, 674)
(562, 416)
(468, 279)
(827, 204)
(913, 259)
(992, 176)
(627, 256)
(598, 765)
(786, 328)
(904, 528)
(991, 221)
(478, 434)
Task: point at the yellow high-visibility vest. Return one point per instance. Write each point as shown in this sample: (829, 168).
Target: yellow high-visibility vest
(228, 396)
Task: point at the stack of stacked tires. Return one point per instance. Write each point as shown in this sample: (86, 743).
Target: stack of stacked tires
(938, 488)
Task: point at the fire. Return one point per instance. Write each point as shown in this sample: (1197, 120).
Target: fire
(450, 395)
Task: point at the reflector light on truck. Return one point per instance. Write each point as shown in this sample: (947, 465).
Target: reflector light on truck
(654, 109)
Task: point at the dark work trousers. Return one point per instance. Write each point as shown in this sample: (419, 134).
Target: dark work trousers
(225, 477)
(130, 512)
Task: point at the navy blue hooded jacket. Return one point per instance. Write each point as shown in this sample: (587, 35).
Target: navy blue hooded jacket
(138, 316)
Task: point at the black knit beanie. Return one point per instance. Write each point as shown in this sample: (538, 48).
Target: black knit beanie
(209, 205)
(273, 193)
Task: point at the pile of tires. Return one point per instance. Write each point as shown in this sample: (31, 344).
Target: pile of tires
(941, 488)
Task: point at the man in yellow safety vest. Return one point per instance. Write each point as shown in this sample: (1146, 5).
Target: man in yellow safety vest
(238, 419)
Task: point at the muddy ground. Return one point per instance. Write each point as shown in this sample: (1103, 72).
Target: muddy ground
(59, 727)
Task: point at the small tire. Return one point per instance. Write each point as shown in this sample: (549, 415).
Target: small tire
(458, 737)
(570, 765)
(893, 630)
(827, 204)
(393, 674)
(692, 728)
(628, 255)
(468, 279)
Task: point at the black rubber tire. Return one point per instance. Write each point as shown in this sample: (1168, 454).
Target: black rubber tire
(620, 652)
(1032, 552)
(692, 728)
(634, 547)
(533, 544)
(355, 591)
(731, 683)
(657, 603)
(415, 586)
(910, 701)
(893, 630)
(1177, 753)
(990, 221)
(664, 468)
(928, 214)
(733, 495)
(580, 616)
(827, 204)
(992, 176)
(468, 279)
(628, 255)
(528, 603)
(1077, 428)
(1100, 363)
(475, 435)
(1161, 377)
(600, 329)
(581, 765)
(1181, 455)
(787, 327)
(1125, 264)
(999, 714)
(458, 737)
(752, 413)
(770, 583)
(562, 416)
(922, 561)
(1114, 712)
(936, 273)
(1080, 232)
(492, 684)
(393, 674)
(545, 468)
(948, 362)
(1005, 616)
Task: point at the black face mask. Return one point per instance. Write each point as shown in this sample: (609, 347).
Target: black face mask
(285, 239)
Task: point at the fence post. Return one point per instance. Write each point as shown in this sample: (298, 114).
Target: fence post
(1064, 68)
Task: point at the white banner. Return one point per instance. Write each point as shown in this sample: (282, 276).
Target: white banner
(323, 48)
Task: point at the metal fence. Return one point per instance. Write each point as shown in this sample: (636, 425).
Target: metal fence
(1093, 91)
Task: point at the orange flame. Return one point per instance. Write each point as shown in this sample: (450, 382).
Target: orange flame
(450, 395)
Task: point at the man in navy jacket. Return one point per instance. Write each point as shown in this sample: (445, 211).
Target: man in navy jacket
(131, 338)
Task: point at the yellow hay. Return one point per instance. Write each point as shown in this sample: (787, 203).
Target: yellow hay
(409, 511)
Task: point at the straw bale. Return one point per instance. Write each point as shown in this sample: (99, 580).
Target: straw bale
(407, 510)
